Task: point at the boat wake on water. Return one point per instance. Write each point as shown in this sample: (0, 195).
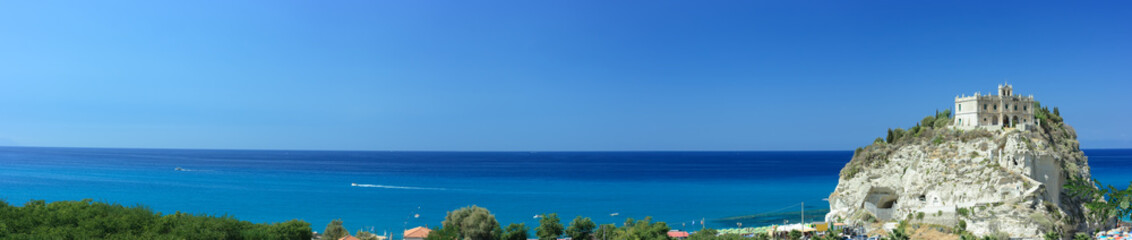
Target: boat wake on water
(180, 169)
(394, 187)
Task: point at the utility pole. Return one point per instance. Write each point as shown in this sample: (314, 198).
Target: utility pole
(803, 222)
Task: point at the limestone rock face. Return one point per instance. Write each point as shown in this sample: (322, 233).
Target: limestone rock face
(994, 180)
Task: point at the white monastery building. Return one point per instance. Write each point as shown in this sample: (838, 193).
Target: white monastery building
(1003, 110)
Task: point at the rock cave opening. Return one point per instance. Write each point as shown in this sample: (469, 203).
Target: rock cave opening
(887, 204)
(880, 202)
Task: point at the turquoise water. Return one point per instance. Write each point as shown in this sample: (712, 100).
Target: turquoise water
(398, 190)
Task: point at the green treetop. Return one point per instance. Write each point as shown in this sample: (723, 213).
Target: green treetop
(581, 228)
(515, 232)
(549, 227)
(334, 230)
(472, 223)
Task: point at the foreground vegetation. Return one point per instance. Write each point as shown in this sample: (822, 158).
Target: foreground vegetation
(477, 223)
(87, 219)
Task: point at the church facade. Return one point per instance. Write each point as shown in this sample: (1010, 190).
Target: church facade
(1003, 110)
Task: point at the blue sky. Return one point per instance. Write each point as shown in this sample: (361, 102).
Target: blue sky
(543, 75)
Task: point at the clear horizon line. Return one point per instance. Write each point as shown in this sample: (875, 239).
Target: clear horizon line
(532, 151)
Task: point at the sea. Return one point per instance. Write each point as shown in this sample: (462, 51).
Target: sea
(387, 192)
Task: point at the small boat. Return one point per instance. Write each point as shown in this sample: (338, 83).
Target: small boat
(179, 169)
(354, 184)
(614, 214)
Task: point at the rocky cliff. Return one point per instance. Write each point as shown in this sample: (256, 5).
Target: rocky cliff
(1002, 181)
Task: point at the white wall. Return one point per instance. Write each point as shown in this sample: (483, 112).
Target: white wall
(1047, 171)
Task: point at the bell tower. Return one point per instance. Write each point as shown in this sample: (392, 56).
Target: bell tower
(1005, 90)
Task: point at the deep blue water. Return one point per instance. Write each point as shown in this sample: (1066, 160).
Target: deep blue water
(272, 186)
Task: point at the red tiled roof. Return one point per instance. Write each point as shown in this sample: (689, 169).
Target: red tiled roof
(677, 234)
(417, 232)
(348, 237)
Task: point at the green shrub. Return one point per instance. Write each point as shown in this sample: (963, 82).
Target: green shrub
(928, 121)
(945, 114)
(1081, 236)
(941, 122)
(795, 234)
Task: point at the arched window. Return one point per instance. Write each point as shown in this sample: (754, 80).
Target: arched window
(984, 107)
